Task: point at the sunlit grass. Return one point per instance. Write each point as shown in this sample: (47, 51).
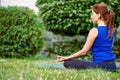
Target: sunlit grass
(32, 69)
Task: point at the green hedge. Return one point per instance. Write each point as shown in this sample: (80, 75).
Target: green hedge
(72, 17)
(116, 48)
(66, 48)
(20, 32)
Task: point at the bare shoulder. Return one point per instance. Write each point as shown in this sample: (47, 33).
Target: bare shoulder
(93, 32)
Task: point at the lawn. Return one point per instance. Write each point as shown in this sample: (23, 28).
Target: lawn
(41, 69)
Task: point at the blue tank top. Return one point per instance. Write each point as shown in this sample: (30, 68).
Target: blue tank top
(102, 46)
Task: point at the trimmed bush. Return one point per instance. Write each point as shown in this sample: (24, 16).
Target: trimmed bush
(20, 32)
(72, 17)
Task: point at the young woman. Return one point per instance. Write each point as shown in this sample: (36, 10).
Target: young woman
(99, 40)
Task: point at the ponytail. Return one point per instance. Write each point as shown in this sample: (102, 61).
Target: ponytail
(110, 23)
(107, 15)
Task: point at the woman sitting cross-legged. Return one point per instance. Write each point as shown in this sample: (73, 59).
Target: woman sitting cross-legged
(99, 41)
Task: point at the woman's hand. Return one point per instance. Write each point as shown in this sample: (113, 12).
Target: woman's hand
(61, 58)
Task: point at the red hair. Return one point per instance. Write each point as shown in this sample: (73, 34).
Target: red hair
(106, 15)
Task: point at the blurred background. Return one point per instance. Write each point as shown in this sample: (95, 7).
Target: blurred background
(49, 27)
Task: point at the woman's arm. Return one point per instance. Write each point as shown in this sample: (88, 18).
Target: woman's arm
(89, 42)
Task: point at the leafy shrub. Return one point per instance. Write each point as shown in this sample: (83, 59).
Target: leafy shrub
(66, 48)
(116, 48)
(71, 17)
(20, 32)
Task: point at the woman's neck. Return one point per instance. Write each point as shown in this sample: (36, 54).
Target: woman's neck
(101, 23)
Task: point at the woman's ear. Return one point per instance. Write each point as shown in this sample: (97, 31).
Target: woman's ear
(99, 16)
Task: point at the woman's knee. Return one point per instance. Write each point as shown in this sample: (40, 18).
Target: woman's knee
(67, 63)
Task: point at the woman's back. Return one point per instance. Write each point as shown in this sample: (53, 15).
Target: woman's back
(102, 47)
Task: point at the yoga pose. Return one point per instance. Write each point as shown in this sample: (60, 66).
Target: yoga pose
(99, 41)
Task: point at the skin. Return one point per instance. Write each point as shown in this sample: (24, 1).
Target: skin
(90, 39)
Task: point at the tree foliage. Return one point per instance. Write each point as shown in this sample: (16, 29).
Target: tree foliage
(72, 17)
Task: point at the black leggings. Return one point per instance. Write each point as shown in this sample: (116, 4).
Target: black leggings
(81, 64)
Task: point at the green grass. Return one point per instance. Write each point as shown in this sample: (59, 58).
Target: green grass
(32, 69)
